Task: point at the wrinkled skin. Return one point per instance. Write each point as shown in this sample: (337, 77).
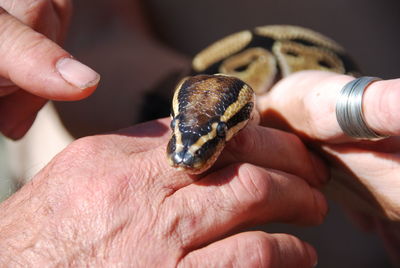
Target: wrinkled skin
(30, 31)
(113, 200)
(304, 103)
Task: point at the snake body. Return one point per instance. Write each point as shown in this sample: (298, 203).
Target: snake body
(214, 104)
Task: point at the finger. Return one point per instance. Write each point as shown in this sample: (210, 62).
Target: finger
(241, 196)
(256, 145)
(253, 249)
(381, 107)
(146, 144)
(38, 65)
(18, 111)
(146, 136)
(306, 101)
(63, 8)
(271, 148)
(37, 14)
(379, 181)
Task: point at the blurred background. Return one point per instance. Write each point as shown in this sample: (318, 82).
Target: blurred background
(140, 48)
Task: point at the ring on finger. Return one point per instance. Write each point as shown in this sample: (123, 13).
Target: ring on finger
(349, 112)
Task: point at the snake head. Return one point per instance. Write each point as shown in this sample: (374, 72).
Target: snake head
(195, 151)
(208, 110)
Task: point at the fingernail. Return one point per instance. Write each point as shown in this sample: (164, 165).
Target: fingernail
(76, 73)
(320, 168)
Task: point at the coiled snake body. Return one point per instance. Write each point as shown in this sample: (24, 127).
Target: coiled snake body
(209, 108)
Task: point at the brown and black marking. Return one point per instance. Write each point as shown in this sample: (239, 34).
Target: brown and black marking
(210, 109)
(206, 109)
(264, 55)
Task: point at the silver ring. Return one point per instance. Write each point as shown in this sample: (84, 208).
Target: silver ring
(349, 113)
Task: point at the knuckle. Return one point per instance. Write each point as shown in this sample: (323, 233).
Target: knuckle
(260, 248)
(255, 182)
(33, 42)
(89, 145)
(246, 141)
(82, 150)
(178, 226)
(260, 240)
(20, 41)
(294, 140)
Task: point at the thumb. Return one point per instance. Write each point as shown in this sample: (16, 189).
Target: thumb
(381, 107)
(39, 66)
(305, 103)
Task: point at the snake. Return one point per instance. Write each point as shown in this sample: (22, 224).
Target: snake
(217, 99)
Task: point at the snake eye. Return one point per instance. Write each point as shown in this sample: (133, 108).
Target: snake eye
(222, 128)
(199, 152)
(173, 123)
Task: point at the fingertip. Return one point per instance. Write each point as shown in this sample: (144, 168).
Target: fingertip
(380, 106)
(69, 80)
(321, 204)
(40, 66)
(77, 74)
(321, 170)
(312, 254)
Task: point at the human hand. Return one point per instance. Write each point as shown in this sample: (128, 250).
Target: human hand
(368, 183)
(33, 68)
(114, 200)
(305, 103)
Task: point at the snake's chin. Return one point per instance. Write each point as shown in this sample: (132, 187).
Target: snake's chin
(190, 170)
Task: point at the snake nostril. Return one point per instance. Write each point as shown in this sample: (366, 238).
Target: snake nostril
(183, 158)
(188, 159)
(177, 158)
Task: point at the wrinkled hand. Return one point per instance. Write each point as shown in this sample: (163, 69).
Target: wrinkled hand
(305, 104)
(112, 199)
(33, 68)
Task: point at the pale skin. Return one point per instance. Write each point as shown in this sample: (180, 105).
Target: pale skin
(305, 104)
(32, 69)
(113, 199)
(67, 207)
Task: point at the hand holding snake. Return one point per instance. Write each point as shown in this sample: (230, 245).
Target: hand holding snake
(112, 199)
(303, 103)
(208, 110)
(367, 172)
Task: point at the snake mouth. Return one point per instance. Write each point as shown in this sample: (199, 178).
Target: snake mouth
(186, 161)
(183, 159)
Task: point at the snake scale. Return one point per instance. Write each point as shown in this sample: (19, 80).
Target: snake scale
(217, 101)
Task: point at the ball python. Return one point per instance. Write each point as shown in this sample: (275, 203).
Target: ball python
(217, 100)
